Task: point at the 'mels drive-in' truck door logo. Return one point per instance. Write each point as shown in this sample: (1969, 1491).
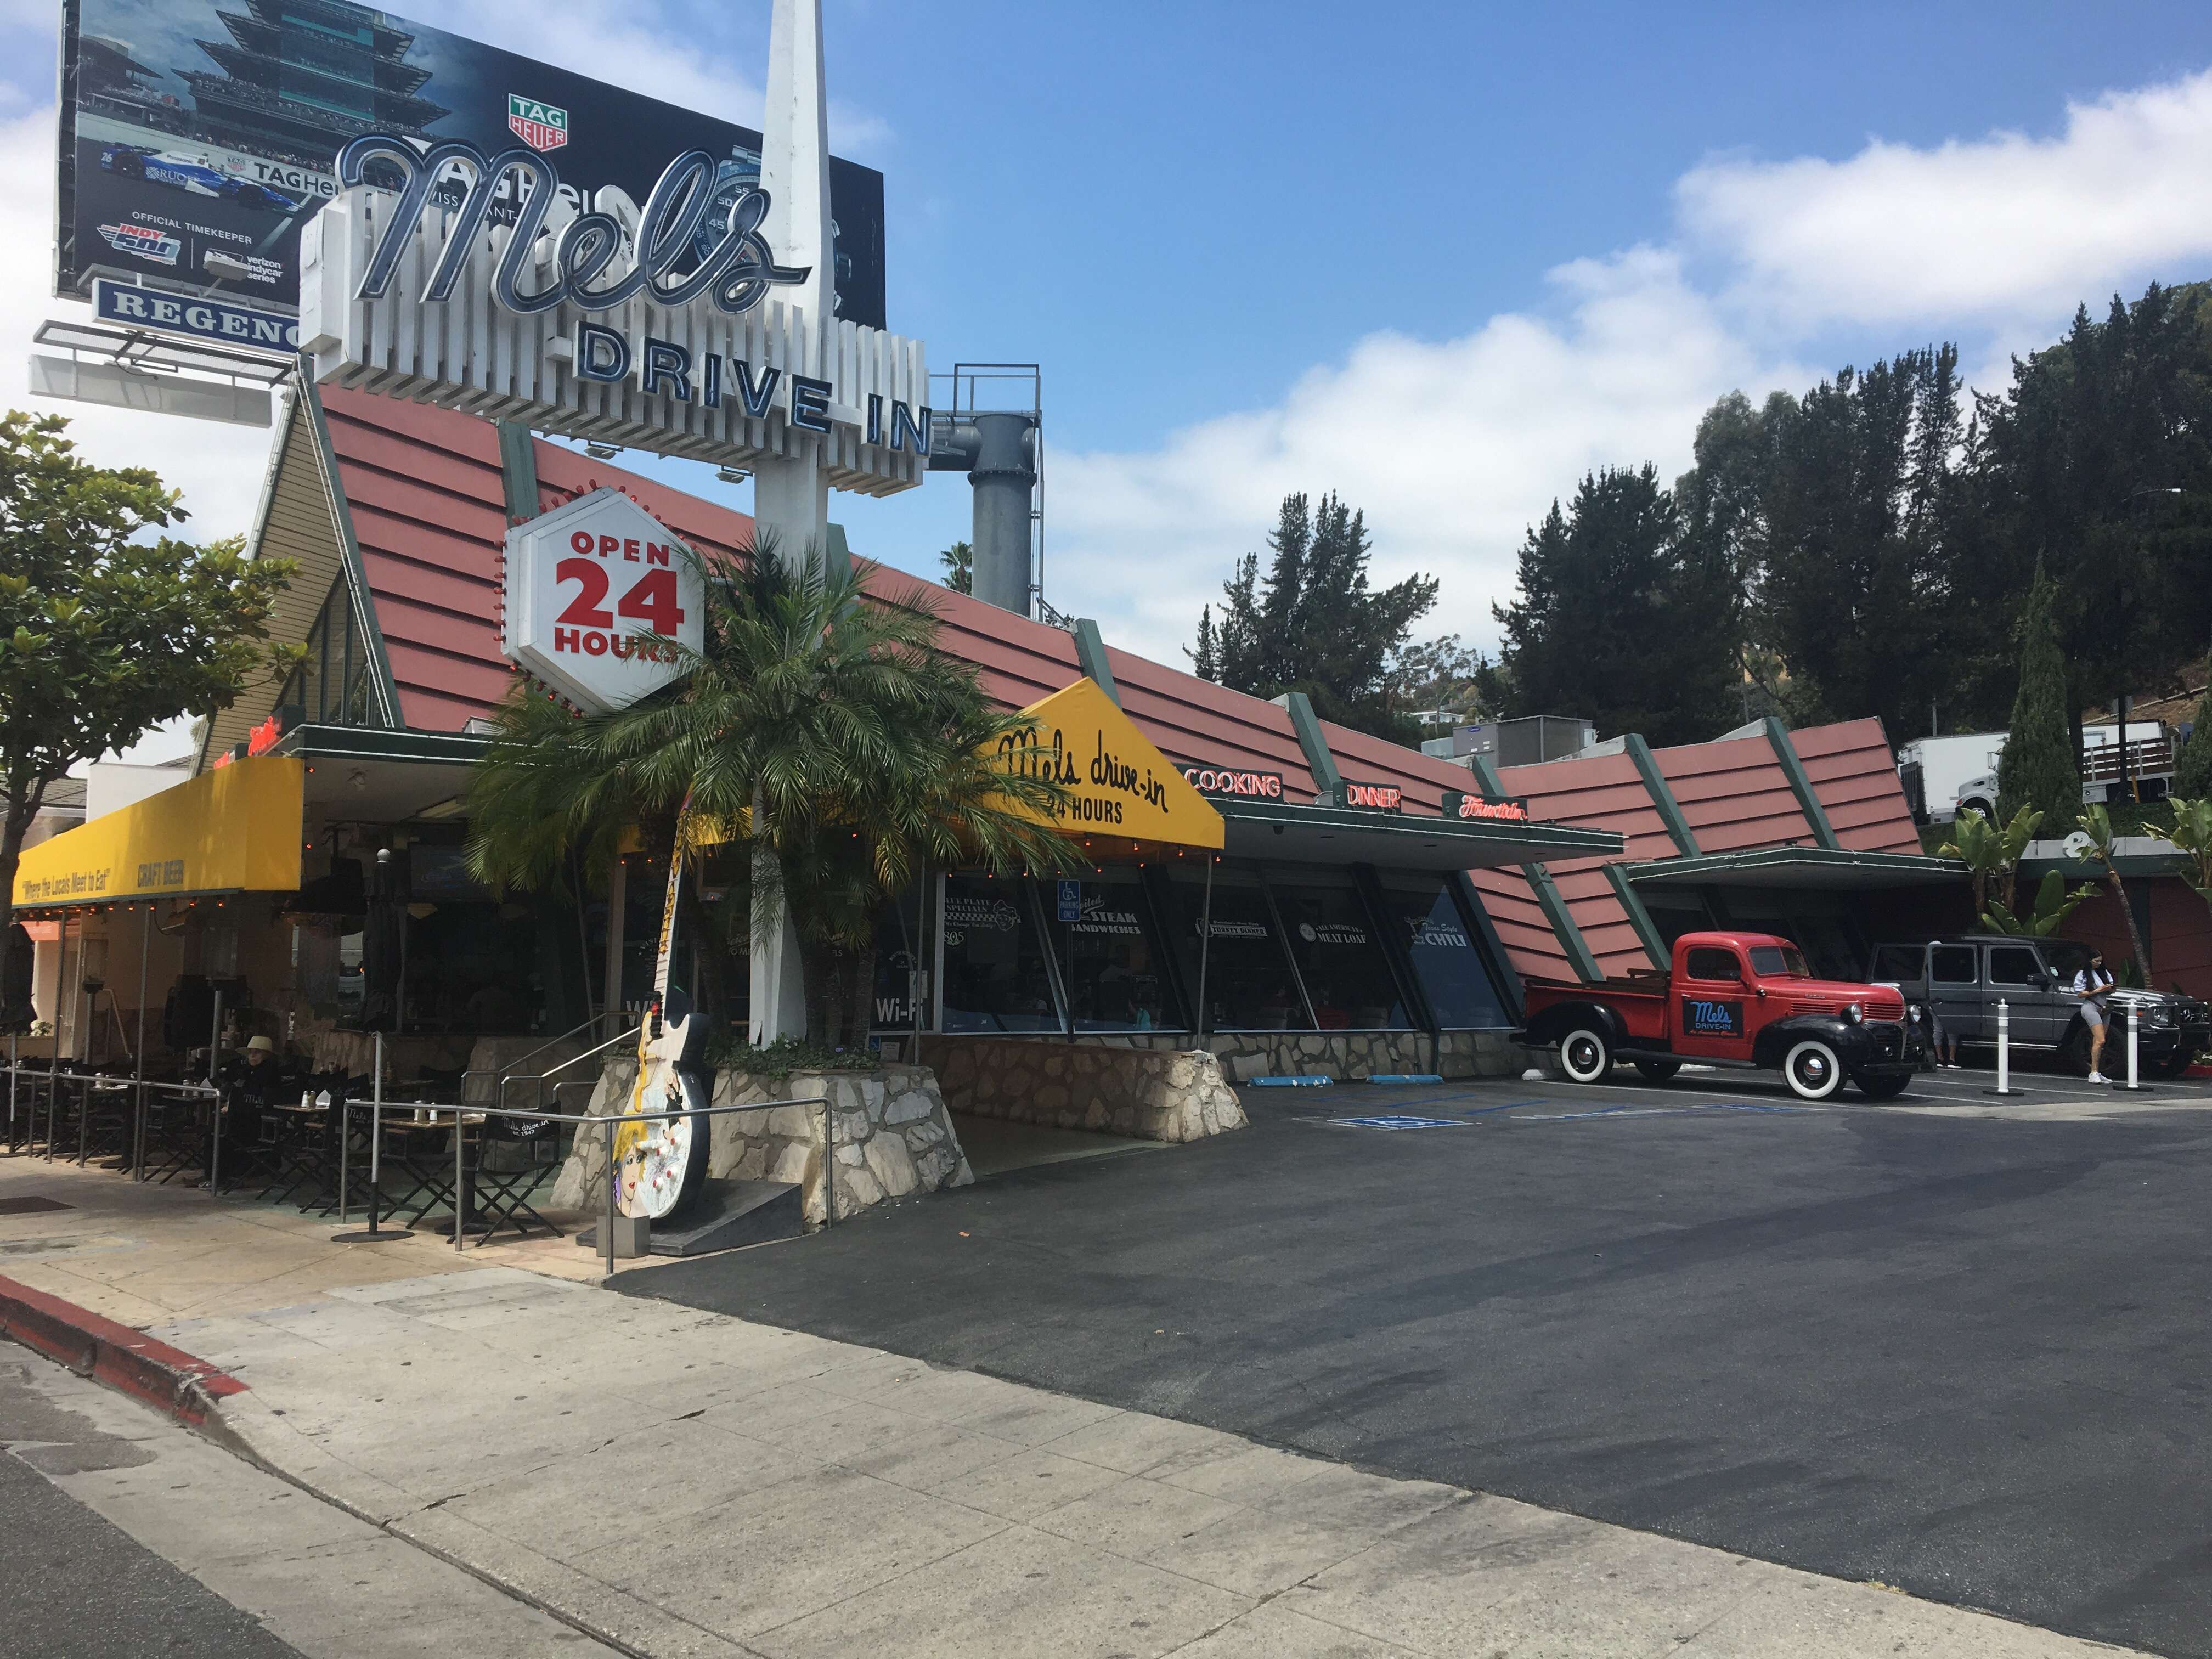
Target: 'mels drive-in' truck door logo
(1710, 1016)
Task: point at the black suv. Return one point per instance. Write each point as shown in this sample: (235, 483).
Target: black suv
(1962, 980)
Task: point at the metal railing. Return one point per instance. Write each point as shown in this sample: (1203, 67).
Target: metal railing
(502, 1073)
(431, 1114)
(58, 1075)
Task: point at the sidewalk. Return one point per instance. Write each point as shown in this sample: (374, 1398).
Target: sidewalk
(685, 1484)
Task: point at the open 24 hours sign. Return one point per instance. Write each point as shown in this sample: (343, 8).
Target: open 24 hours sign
(599, 596)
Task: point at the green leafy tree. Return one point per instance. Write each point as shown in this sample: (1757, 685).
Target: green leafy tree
(1620, 620)
(1442, 674)
(821, 722)
(107, 627)
(2097, 823)
(1991, 856)
(2054, 902)
(1313, 624)
(1851, 577)
(2037, 766)
(2192, 770)
(2192, 834)
(2095, 461)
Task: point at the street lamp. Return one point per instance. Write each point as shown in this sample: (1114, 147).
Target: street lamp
(2122, 701)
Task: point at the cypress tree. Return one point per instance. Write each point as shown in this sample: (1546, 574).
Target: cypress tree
(2038, 768)
(1206, 661)
(2193, 771)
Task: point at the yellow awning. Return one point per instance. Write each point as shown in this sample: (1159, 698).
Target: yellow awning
(234, 830)
(1120, 787)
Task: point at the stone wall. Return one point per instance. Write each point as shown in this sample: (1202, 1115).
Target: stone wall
(1344, 1055)
(891, 1133)
(1154, 1094)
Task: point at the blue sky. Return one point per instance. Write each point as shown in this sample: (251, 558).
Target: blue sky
(1440, 257)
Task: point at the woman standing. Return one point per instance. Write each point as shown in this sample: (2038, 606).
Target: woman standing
(2092, 984)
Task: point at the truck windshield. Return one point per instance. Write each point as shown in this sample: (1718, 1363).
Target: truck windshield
(1779, 961)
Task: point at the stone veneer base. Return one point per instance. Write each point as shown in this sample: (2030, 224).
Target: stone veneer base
(891, 1130)
(1162, 1094)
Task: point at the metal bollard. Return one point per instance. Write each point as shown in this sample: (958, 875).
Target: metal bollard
(607, 1226)
(2004, 1051)
(345, 1156)
(2134, 1013)
(375, 1235)
(459, 1207)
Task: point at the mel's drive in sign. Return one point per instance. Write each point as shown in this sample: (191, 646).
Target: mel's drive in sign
(199, 136)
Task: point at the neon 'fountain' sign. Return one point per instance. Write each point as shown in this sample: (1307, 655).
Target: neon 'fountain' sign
(737, 272)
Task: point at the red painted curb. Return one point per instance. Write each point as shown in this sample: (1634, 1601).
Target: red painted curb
(168, 1379)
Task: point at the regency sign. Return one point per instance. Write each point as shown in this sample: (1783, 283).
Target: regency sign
(480, 283)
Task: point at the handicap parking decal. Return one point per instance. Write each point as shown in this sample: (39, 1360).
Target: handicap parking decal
(1381, 1122)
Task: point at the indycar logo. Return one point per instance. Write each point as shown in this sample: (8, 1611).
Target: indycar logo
(541, 126)
(144, 241)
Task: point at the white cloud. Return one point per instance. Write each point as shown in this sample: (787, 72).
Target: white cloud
(1999, 228)
(219, 468)
(1451, 448)
(1455, 447)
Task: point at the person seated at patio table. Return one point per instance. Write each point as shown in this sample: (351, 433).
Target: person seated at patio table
(252, 1081)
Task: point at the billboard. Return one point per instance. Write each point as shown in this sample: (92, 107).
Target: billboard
(195, 141)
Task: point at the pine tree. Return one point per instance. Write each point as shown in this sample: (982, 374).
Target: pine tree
(1312, 623)
(2192, 772)
(2038, 768)
(1206, 661)
(1620, 619)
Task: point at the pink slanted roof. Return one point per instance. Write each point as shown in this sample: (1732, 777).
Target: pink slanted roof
(429, 508)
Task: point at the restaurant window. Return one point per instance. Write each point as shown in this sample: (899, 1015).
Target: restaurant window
(331, 683)
(996, 977)
(1111, 959)
(1248, 982)
(1452, 968)
(1332, 937)
(899, 962)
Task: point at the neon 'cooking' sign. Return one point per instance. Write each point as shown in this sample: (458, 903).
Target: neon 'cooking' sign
(737, 272)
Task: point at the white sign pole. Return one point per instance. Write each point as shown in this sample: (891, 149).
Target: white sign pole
(791, 493)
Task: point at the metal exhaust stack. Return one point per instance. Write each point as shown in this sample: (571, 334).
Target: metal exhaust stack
(999, 451)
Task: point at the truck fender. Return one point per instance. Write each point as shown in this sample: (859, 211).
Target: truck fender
(1555, 1022)
(1776, 1041)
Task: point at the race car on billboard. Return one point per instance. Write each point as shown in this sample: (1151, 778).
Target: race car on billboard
(197, 174)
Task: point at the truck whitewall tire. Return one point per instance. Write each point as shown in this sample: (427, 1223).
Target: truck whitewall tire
(1811, 1070)
(1584, 1056)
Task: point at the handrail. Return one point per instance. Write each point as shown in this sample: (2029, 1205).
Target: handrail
(377, 1108)
(55, 1076)
(509, 1078)
(507, 1070)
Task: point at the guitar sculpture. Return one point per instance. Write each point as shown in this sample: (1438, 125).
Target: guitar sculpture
(660, 1165)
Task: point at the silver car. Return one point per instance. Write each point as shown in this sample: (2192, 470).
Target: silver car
(1961, 981)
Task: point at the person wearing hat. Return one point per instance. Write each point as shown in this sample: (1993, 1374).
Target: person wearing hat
(251, 1082)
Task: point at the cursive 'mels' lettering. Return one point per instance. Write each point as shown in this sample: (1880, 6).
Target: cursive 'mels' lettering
(738, 272)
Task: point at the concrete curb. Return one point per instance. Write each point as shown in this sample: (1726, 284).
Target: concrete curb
(130, 1361)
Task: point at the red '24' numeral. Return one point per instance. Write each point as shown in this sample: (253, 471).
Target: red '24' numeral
(651, 599)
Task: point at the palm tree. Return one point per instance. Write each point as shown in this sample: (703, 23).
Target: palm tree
(820, 722)
(2097, 824)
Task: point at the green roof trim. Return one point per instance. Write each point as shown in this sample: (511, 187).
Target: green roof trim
(1639, 917)
(363, 743)
(1090, 656)
(1809, 863)
(356, 574)
(518, 470)
(1547, 893)
(1662, 795)
(1319, 760)
(1808, 801)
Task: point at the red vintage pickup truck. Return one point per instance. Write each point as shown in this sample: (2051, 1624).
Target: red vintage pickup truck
(1745, 999)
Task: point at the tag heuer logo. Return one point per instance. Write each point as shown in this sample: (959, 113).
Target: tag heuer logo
(541, 126)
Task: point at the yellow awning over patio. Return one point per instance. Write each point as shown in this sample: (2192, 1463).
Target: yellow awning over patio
(234, 829)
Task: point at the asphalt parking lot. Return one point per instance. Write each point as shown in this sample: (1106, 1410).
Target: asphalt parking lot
(1956, 1345)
